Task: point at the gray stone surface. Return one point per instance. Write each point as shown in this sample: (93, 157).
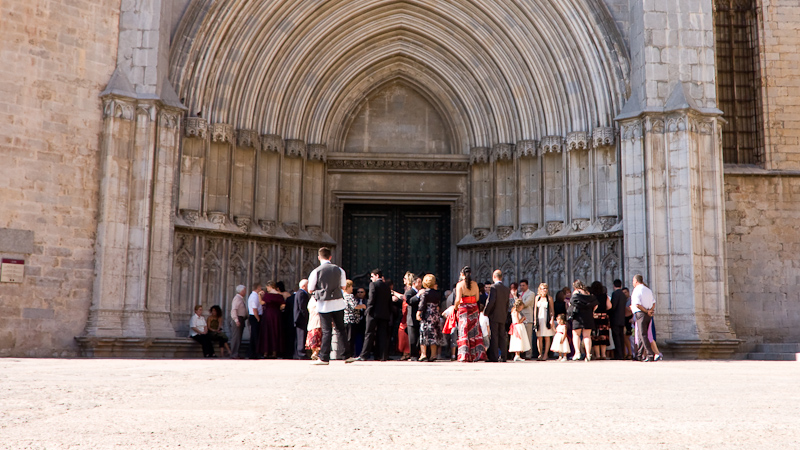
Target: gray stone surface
(16, 241)
(217, 404)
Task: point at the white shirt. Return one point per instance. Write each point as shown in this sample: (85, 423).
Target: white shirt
(198, 322)
(237, 307)
(642, 295)
(484, 321)
(254, 302)
(337, 304)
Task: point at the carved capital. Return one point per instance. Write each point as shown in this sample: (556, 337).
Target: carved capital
(196, 127)
(191, 216)
(554, 227)
(479, 155)
(318, 152)
(527, 148)
(217, 218)
(292, 229)
(503, 232)
(272, 143)
(502, 151)
(480, 233)
(607, 222)
(295, 148)
(580, 224)
(118, 108)
(314, 230)
(551, 144)
(578, 140)
(269, 226)
(603, 137)
(243, 223)
(221, 132)
(248, 138)
(528, 229)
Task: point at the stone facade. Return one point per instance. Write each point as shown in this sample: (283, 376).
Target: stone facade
(153, 162)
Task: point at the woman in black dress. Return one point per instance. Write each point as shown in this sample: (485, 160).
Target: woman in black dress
(582, 306)
(602, 324)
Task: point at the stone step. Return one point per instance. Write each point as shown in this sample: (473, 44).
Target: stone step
(777, 348)
(774, 356)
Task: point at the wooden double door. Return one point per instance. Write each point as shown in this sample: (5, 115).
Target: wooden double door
(396, 239)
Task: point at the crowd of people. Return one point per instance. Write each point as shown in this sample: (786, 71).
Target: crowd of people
(471, 322)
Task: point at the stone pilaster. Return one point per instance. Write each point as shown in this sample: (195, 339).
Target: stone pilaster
(505, 187)
(530, 180)
(314, 188)
(291, 195)
(481, 182)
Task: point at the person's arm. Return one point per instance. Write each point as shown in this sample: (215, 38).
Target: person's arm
(234, 316)
(531, 300)
(255, 311)
(552, 312)
(491, 302)
(457, 298)
(371, 300)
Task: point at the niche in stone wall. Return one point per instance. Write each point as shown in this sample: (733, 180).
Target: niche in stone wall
(397, 119)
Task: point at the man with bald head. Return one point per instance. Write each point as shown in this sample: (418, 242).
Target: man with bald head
(496, 310)
(301, 298)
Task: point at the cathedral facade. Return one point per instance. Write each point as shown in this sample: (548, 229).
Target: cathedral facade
(163, 152)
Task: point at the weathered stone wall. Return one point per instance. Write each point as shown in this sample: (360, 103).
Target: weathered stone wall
(57, 57)
(779, 39)
(763, 222)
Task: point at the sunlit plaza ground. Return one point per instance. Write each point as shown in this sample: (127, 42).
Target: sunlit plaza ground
(220, 404)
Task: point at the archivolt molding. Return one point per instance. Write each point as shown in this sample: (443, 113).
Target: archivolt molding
(501, 71)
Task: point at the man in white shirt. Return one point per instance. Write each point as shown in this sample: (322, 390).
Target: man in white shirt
(528, 300)
(327, 283)
(254, 310)
(643, 306)
(198, 331)
(238, 319)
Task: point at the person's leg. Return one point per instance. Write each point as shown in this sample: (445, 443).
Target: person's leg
(639, 330)
(587, 342)
(434, 352)
(344, 343)
(384, 339)
(502, 342)
(646, 342)
(369, 337)
(546, 348)
(539, 344)
(326, 322)
(350, 330)
(422, 352)
(413, 339)
(300, 345)
(576, 341)
(493, 352)
(236, 338)
(529, 330)
(618, 334)
(253, 344)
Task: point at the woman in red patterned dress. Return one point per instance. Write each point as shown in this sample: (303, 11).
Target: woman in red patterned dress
(470, 338)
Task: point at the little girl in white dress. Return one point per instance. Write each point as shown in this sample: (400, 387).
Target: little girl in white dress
(560, 342)
(519, 337)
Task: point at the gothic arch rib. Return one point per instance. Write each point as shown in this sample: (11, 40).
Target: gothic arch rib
(502, 71)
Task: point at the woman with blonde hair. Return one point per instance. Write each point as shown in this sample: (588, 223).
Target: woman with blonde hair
(428, 315)
(543, 320)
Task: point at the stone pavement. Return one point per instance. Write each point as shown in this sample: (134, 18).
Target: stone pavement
(220, 404)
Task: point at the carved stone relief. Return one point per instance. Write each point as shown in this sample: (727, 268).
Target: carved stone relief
(580, 224)
(480, 233)
(217, 218)
(243, 223)
(272, 143)
(607, 222)
(503, 232)
(318, 152)
(551, 144)
(479, 155)
(502, 152)
(269, 226)
(191, 216)
(196, 127)
(248, 138)
(365, 164)
(221, 133)
(582, 265)
(118, 109)
(603, 137)
(295, 148)
(577, 140)
(528, 229)
(554, 227)
(526, 148)
(292, 229)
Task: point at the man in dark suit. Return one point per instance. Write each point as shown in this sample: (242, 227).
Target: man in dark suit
(379, 311)
(617, 318)
(496, 310)
(412, 299)
(301, 298)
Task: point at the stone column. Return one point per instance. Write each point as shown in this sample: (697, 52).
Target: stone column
(218, 173)
(292, 187)
(314, 189)
(530, 193)
(606, 177)
(193, 159)
(248, 144)
(672, 175)
(505, 185)
(554, 182)
(481, 192)
(268, 184)
(581, 180)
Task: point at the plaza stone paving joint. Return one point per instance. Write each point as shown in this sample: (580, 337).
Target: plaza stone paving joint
(220, 404)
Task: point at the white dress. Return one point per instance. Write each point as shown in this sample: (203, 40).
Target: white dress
(518, 341)
(543, 319)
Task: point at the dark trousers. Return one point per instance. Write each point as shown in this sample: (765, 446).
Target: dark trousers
(618, 333)
(255, 326)
(300, 345)
(206, 342)
(377, 329)
(498, 342)
(327, 321)
(413, 339)
(351, 329)
(236, 335)
(642, 324)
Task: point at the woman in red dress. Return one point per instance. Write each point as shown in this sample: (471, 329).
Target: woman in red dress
(270, 338)
(403, 344)
(470, 338)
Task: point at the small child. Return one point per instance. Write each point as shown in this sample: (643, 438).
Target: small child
(485, 328)
(560, 343)
(519, 336)
(314, 337)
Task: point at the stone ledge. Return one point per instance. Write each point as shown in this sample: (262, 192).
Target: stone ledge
(703, 349)
(122, 347)
(756, 171)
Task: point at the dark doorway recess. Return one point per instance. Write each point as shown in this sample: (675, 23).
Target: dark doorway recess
(396, 239)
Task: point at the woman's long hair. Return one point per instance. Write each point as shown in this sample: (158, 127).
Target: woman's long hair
(467, 272)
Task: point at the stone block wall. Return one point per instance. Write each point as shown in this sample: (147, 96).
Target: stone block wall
(779, 40)
(763, 225)
(56, 58)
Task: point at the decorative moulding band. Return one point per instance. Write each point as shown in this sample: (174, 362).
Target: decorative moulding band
(395, 165)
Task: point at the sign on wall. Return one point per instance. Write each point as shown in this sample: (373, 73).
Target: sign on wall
(12, 270)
